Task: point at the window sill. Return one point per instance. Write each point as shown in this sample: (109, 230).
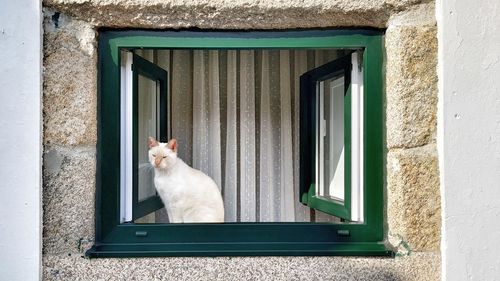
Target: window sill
(240, 249)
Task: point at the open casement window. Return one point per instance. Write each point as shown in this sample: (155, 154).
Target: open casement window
(335, 134)
(332, 138)
(144, 113)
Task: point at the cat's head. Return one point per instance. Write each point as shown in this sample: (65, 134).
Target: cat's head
(162, 155)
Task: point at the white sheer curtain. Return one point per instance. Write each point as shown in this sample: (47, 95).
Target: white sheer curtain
(235, 114)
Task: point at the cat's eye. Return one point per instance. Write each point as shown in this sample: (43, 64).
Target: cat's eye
(164, 157)
(153, 155)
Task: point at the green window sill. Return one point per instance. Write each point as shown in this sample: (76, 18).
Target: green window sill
(237, 249)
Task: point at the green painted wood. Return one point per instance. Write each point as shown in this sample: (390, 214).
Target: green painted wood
(253, 249)
(374, 136)
(339, 67)
(108, 141)
(148, 69)
(119, 240)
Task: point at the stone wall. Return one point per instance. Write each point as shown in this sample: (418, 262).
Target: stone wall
(413, 196)
(70, 122)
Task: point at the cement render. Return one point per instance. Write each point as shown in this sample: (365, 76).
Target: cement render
(70, 130)
(417, 267)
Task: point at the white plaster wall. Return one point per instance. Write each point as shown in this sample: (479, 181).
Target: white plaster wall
(20, 140)
(469, 137)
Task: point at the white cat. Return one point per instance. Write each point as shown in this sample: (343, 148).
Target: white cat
(188, 194)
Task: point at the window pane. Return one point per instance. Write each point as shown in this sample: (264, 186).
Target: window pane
(158, 216)
(148, 125)
(331, 138)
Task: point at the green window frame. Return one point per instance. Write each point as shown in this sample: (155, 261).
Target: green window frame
(143, 67)
(308, 119)
(115, 239)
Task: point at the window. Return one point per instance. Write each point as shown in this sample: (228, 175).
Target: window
(340, 146)
(332, 104)
(144, 104)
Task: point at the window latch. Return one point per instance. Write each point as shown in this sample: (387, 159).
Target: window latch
(141, 233)
(343, 232)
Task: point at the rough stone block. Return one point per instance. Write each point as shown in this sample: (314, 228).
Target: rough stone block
(68, 199)
(236, 14)
(417, 267)
(414, 206)
(411, 85)
(70, 81)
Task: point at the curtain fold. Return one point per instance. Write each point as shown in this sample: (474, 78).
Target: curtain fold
(300, 66)
(181, 93)
(206, 114)
(287, 199)
(231, 168)
(247, 200)
(268, 184)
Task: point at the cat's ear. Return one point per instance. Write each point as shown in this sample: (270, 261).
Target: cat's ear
(152, 142)
(172, 144)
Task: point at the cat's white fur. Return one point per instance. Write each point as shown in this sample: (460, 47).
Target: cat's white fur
(188, 194)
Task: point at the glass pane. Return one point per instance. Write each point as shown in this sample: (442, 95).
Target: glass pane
(148, 125)
(158, 216)
(331, 140)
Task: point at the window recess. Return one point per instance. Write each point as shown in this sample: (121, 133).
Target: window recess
(309, 100)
